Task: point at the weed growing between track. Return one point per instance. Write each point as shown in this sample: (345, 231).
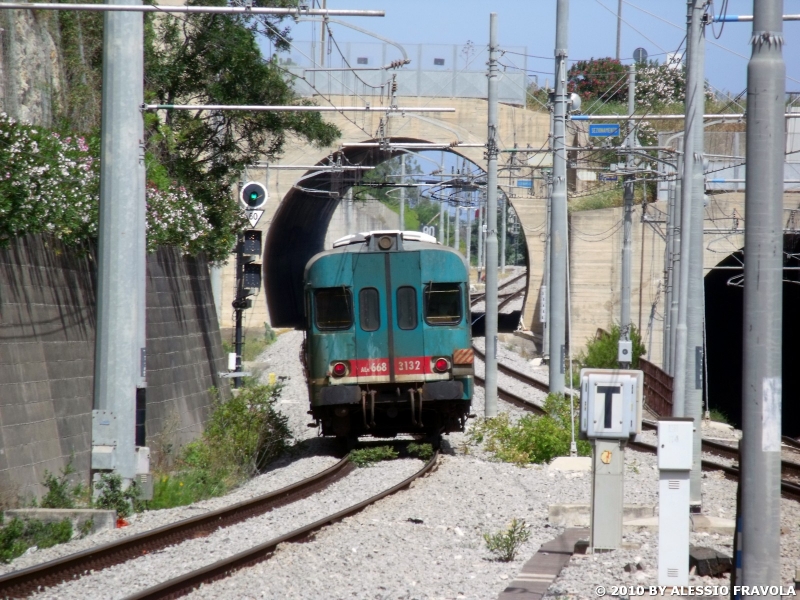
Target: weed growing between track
(531, 438)
(366, 457)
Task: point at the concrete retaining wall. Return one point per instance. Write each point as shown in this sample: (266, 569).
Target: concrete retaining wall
(47, 332)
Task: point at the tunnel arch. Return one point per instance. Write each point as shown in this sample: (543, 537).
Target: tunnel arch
(724, 336)
(298, 228)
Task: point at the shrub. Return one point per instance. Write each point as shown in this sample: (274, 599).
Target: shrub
(598, 77)
(59, 493)
(243, 434)
(717, 415)
(532, 438)
(421, 451)
(369, 456)
(505, 544)
(112, 497)
(19, 535)
(601, 352)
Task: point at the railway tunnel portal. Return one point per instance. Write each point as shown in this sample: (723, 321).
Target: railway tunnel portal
(724, 336)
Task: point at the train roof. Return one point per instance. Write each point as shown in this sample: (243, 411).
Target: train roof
(363, 238)
(411, 240)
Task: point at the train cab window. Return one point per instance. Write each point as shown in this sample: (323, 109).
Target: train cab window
(333, 308)
(442, 303)
(369, 309)
(406, 308)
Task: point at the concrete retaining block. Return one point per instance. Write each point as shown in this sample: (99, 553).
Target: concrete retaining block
(101, 519)
(577, 515)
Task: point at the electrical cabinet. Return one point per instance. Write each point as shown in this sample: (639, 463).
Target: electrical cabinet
(611, 403)
(675, 444)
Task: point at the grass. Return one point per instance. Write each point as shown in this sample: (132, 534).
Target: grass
(505, 544)
(19, 535)
(717, 415)
(421, 451)
(366, 457)
(531, 438)
(242, 436)
(254, 345)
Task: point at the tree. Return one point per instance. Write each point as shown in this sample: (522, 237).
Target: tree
(214, 59)
(598, 77)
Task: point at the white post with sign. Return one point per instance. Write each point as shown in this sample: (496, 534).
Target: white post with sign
(674, 466)
(611, 413)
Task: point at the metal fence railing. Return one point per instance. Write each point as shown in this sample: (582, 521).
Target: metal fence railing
(657, 389)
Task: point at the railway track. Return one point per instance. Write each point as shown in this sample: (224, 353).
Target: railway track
(480, 297)
(789, 488)
(27, 581)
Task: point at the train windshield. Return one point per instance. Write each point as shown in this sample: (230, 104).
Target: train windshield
(333, 308)
(443, 303)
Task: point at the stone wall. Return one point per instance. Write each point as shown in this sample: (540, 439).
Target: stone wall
(47, 332)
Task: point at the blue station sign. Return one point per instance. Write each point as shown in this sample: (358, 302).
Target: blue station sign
(603, 130)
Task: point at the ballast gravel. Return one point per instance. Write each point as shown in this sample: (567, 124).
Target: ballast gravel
(427, 542)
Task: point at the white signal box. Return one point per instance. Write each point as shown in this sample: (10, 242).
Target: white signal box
(611, 403)
(675, 444)
(675, 441)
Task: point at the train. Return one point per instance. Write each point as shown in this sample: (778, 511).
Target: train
(388, 342)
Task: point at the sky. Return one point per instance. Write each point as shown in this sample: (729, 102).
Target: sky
(658, 26)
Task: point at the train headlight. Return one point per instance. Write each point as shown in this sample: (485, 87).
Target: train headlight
(441, 365)
(339, 369)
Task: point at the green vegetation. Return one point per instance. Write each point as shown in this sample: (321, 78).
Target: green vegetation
(421, 451)
(60, 494)
(601, 352)
(19, 535)
(717, 415)
(112, 497)
(531, 438)
(505, 544)
(366, 457)
(193, 159)
(242, 436)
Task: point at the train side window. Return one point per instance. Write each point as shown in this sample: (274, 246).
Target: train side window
(369, 309)
(442, 303)
(406, 308)
(333, 308)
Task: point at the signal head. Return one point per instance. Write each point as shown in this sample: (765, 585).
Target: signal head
(253, 196)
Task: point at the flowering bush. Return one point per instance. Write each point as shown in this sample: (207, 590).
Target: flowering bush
(48, 184)
(51, 184)
(597, 77)
(657, 85)
(174, 219)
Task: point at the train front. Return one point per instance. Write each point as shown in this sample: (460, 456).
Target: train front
(388, 343)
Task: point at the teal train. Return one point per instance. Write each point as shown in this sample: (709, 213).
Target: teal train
(388, 346)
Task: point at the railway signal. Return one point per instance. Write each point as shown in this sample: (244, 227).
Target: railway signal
(248, 276)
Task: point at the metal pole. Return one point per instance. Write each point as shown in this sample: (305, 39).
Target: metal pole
(348, 211)
(627, 227)
(676, 263)
(503, 227)
(480, 237)
(619, 26)
(441, 204)
(688, 378)
(763, 306)
(558, 208)
(457, 241)
(490, 386)
(238, 309)
(322, 37)
(545, 295)
(668, 279)
(118, 342)
(469, 234)
(402, 226)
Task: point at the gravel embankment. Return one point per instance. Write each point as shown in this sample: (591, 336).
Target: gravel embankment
(427, 542)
